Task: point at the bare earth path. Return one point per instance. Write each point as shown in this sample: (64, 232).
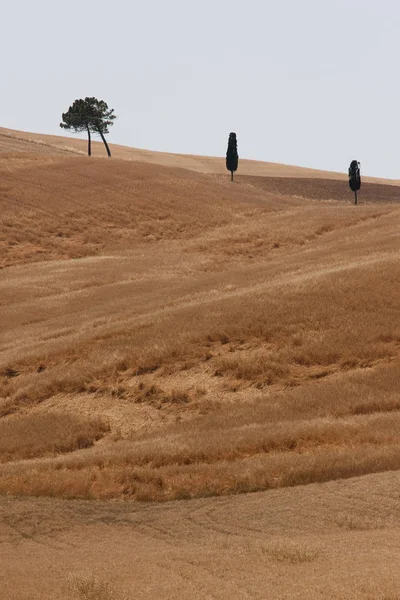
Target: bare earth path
(336, 540)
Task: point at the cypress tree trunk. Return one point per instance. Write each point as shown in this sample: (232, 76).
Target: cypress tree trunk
(104, 141)
(355, 197)
(231, 175)
(89, 148)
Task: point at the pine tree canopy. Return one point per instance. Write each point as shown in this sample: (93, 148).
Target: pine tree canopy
(89, 113)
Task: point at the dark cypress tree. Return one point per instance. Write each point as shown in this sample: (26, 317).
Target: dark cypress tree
(232, 157)
(354, 178)
(89, 115)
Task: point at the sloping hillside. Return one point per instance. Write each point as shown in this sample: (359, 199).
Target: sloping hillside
(169, 335)
(56, 207)
(337, 540)
(12, 140)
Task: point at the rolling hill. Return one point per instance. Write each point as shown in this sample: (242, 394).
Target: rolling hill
(167, 335)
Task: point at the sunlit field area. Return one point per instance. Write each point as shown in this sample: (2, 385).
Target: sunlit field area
(166, 334)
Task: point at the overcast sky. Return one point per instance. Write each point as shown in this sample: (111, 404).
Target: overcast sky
(314, 83)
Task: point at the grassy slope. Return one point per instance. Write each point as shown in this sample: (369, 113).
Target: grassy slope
(166, 334)
(337, 540)
(69, 207)
(206, 322)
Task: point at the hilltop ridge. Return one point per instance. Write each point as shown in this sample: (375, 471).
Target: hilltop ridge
(20, 141)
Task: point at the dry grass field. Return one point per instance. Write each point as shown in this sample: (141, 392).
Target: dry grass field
(167, 335)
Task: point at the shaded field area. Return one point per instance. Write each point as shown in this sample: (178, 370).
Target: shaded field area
(323, 189)
(39, 435)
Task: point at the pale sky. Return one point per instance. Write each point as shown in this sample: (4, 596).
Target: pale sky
(314, 83)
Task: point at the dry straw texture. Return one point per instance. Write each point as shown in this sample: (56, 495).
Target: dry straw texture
(217, 338)
(166, 334)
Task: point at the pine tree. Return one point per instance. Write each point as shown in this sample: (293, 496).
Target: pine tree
(354, 178)
(90, 115)
(232, 157)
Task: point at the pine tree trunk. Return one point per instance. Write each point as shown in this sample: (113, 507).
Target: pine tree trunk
(89, 148)
(104, 141)
(231, 175)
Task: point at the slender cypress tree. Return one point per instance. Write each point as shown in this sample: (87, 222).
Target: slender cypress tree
(232, 157)
(89, 115)
(354, 178)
